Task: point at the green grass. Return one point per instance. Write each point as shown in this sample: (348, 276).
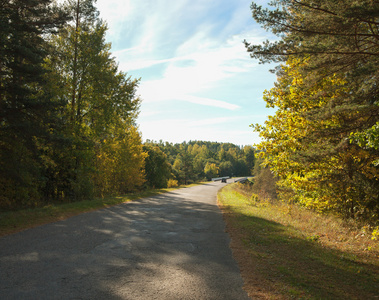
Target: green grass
(293, 253)
(14, 221)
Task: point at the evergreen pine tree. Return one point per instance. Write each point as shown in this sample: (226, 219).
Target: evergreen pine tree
(25, 109)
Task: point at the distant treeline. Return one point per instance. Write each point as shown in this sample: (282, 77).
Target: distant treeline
(195, 161)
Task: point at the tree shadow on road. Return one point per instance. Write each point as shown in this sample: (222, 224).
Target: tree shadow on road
(163, 247)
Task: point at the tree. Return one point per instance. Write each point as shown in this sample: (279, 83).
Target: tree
(97, 94)
(226, 168)
(211, 171)
(186, 166)
(157, 168)
(27, 112)
(190, 160)
(322, 138)
(341, 34)
(340, 37)
(120, 163)
(100, 104)
(318, 173)
(249, 156)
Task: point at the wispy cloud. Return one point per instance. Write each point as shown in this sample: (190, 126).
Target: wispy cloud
(209, 102)
(199, 64)
(194, 44)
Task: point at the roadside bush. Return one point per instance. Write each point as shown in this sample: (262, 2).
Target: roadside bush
(171, 183)
(265, 185)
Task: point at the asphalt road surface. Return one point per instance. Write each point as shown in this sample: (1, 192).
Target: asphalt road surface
(170, 246)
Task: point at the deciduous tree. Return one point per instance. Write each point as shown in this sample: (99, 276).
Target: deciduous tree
(99, 102)
(320, 173)
(157, 168)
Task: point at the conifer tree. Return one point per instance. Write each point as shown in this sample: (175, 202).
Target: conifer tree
(157, 168)
(340, 37)
(26, 111)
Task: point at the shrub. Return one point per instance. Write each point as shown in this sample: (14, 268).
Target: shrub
(265, 185)
(171, 183)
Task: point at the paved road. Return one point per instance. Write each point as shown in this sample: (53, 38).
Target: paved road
(170, 246)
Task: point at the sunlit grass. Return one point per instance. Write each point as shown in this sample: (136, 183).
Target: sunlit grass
(295, 253)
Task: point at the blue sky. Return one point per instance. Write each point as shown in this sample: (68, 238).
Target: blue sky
(197, 80)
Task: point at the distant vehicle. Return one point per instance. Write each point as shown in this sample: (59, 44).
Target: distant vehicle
(223, 179)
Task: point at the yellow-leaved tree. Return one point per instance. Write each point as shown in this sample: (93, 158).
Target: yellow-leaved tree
(306, 144)
(120, 163)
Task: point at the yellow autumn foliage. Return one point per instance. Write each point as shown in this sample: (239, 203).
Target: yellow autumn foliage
(338, 180)
(120, 164)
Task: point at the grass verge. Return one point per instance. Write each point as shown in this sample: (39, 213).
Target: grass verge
(14, 221)
(285, 252)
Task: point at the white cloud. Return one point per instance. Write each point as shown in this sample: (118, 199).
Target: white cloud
(115, 11)
(199, 65)
(148, 114)
(209, 102)
(165, 90)
(179, 130)
(188, 52)
(211, 121)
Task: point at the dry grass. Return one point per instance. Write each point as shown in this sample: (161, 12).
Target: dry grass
(286, 252)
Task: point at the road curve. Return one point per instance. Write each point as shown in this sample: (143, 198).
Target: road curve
(170, 246)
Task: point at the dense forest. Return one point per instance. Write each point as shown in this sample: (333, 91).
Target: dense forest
(68, 115)
(322, 144)
(194, 161)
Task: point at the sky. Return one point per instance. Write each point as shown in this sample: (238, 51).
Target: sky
(198, 82)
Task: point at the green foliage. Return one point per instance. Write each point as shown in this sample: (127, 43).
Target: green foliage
(323, 172)
(26, 110)
(265, 185)
(322, 140)
(369, 138)
(67, 115)
(199, 160)
(172, 183)
(120, 163)
(335, 31)
(375, 234)
(100, 109)
(157, 168)
(211, 171)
